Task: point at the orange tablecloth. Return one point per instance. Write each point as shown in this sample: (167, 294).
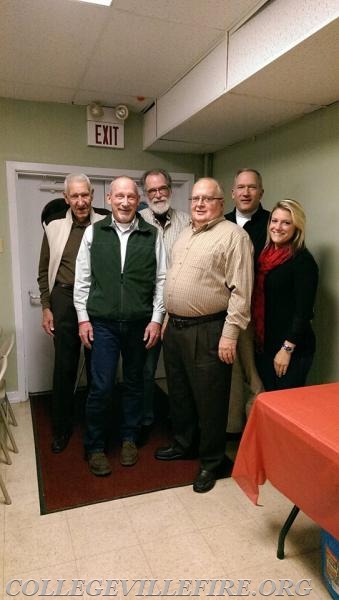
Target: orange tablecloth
(292, 439)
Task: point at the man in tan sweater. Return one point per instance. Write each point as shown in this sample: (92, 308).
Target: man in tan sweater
(63, 231)
(207, 297)
(157, 186)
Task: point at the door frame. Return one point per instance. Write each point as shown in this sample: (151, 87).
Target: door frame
(13, 171)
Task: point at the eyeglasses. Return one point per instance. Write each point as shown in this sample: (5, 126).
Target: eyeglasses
(163, 191)
(82, 195)
(205, 199)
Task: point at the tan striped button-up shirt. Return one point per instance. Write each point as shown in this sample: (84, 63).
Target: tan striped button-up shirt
(212, 270)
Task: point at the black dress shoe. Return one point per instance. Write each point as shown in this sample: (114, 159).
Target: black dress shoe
(204, 482)
(170, 453)
(60, 442)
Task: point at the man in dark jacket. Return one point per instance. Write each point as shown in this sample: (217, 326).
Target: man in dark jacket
(249, 214)
(118, 295)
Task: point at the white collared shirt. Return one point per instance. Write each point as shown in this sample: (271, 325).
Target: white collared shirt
(242, 219)
(124, 230)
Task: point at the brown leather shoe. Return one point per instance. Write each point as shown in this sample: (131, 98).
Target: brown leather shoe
(128, 454)
(98, 464)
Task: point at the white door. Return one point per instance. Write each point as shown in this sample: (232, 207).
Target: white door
(34, 192)
(30, 187)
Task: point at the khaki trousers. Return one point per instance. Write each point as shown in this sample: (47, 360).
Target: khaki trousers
(246, 383)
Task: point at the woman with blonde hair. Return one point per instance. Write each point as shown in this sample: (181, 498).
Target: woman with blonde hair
(283, 300)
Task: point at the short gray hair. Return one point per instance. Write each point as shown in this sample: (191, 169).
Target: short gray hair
(249, 170)
(220, 189)
(124, 177)
(162, 172)
(77, 177)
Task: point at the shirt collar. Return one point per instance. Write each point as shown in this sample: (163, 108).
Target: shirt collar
(208, 225)
(247, 216)
(168, 216)
(132, 225)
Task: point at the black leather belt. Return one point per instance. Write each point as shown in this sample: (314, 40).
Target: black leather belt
(180, 322)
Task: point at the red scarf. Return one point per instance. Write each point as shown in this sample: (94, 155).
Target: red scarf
(269, 258)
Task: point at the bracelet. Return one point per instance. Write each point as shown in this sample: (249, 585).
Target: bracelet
(289, 349)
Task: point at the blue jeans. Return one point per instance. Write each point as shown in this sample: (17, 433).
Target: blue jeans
(112, 338)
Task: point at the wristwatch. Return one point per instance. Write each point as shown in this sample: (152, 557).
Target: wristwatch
(287, 348)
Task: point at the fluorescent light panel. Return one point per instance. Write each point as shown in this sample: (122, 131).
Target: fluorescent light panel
(102, 2)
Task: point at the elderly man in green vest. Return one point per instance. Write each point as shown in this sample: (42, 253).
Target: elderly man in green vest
(118, 296)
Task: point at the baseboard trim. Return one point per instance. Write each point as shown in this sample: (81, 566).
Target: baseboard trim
(14, 397)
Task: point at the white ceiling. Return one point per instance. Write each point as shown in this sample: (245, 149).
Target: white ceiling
(300, 81)
(133, 52)
(74, 52)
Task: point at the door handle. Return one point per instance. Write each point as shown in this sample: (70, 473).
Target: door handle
(34, 298)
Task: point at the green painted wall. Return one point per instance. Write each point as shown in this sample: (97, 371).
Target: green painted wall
(301, 160)
(57, 133)
(298, 160)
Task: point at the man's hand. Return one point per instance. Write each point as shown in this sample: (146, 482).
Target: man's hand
(227, 350)
(152, 334)
(47, 321)
(86, 333)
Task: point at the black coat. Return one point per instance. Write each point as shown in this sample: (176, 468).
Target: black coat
(290, 291)
(256, 228)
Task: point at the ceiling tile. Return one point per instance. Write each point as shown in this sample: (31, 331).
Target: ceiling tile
(74, 52)
(47, 42)
(154, 59)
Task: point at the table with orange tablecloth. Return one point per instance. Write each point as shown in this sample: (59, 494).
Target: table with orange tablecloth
(292, 440)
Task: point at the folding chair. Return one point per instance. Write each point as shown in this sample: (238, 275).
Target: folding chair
(3, 367)
(4, 491)
(4, 404)
(3, 445)
(6, 346)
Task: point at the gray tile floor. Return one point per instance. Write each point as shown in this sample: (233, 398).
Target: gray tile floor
(173, 535)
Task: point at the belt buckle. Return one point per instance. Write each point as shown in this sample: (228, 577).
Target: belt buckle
(178, 323)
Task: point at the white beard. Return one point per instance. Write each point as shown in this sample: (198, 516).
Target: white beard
(159, 208)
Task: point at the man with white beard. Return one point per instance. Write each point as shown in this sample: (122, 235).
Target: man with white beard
(157, 186)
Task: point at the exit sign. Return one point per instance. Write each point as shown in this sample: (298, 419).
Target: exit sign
(106, 131)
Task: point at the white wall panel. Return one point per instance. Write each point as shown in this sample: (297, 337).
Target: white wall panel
(203, 84)
(149, 128)
(281, 25)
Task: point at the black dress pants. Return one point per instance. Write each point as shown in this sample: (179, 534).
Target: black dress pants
(67, 351)
(199, 386)
(295, 376)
